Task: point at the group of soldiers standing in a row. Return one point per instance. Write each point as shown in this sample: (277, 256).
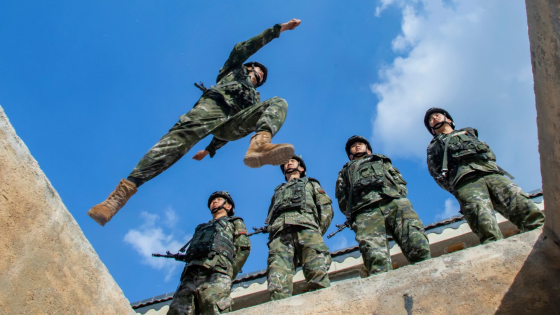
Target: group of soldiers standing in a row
(371, 192)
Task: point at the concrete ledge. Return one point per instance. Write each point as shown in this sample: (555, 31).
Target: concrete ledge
(47, 265)
(516, 275)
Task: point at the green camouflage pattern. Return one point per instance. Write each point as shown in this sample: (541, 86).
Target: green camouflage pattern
(393, 217)
(296, 245)
(202, 292)
(236, 231)
(466, 155)
(478, 183)
(206, 282)
(390, 183)
(480, 195)
(380, 208)
(230, 111)
(314, 211)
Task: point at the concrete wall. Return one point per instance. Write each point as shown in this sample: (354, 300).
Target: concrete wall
(543, 17)
(47, 264)
(518, 275)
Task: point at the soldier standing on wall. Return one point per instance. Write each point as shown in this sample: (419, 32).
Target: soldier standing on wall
(229, 111)
(372, 195)
(217, 252)
(466, 167)
(299, 215)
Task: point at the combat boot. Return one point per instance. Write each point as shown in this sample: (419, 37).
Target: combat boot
(262, 152)
(103, 212)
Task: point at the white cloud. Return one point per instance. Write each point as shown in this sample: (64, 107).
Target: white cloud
(472, 58)
(149, 238)
(451, 209)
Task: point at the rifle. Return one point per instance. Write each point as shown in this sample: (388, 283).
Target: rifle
(260, 230)
(178, 257)
(340, 228)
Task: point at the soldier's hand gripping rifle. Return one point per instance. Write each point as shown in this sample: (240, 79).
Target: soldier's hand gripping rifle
(340, 228)
(178, 257)
(260, 230)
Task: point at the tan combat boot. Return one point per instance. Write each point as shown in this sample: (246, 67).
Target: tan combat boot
(262, 152)
(103, 212)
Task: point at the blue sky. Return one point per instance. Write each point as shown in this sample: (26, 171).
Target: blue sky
(90, 87)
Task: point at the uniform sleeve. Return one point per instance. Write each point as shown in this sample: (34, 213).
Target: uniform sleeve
(434, 167)
(396, 177)
(324, 206)
(215, 145)
(242, 246)
(341, 192)
(242, 51)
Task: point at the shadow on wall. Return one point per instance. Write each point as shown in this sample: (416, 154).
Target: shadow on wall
(536, 288)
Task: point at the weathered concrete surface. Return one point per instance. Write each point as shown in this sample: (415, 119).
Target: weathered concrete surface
(543, 18)
(518, 275)
(47, 264)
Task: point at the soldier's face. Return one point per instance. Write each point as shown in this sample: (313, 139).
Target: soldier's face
(217, 202)
(256, 76)
(293, 163)
(436, 118)
(358, 147)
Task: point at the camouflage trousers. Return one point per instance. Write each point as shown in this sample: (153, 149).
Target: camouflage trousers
(480, 195)
(396, 218)
(201, 292)
(286, 249)
(209, 116)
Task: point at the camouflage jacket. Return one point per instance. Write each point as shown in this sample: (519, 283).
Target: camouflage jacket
(466, 154)
(230, 246)
(233, 85)
(366, 181)
(302, 202)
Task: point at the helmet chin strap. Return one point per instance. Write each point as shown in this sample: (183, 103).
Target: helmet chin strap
(291, 170)
(219, 208)
(440, 124)
(359, 154)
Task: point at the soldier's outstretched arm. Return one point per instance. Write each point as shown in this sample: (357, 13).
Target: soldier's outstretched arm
(242, 51)
(211, 149)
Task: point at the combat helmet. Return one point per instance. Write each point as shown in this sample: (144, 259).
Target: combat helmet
(224, 194)
(300, 163)
(441, 111)
(355, 139)
(251, 64)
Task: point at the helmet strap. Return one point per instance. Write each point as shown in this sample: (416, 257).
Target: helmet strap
(220, 207)
(440, 124)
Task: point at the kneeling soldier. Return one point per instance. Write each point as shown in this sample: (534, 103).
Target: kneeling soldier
(299, 215)
(372, 194)
(466, 167)
(216, 254)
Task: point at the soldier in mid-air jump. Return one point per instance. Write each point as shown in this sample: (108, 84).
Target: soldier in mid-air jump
(466, 167)
(229, 111)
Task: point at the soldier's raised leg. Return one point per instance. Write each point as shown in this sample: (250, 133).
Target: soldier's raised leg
(476, 206)
(371, 236)
(513, 203)
(407, 230)
(281, 266)
(191, 128)
(266, 119)
(315, 258)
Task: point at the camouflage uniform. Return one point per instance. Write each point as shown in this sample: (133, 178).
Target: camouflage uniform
(213, 260)
(300, 213)
(477, 182)
(229, 111)
(371, 193)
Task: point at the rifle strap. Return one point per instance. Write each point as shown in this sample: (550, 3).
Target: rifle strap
(182, 250)
(445, 159)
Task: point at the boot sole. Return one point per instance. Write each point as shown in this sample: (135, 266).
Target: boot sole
(99, 218)
(274, 157)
